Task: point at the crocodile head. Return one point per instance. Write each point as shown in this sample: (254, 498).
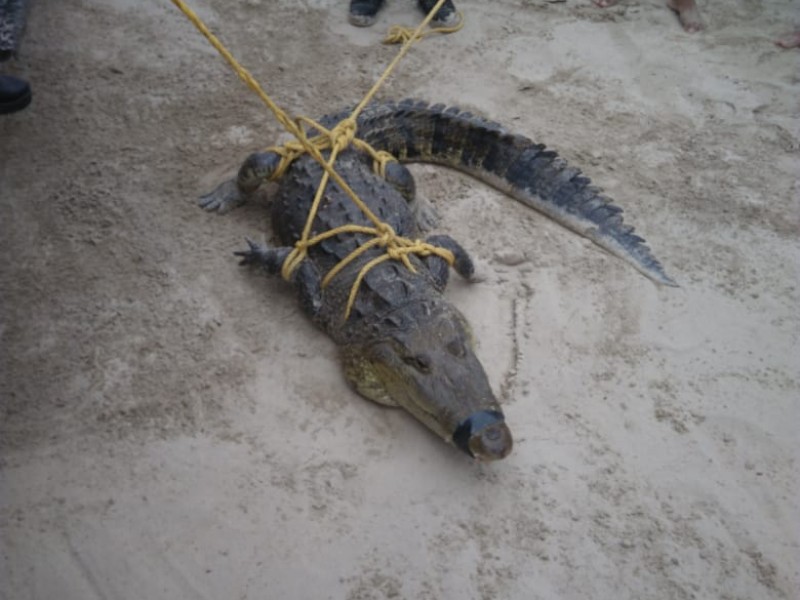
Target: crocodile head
(427, 365)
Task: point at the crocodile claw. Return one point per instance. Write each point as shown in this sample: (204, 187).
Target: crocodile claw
(255, 255)
(223, 199)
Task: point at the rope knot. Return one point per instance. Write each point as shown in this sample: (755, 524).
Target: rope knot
(385, 233)
(396, 252)
(342, 135)
(393, 245)
(398, 34)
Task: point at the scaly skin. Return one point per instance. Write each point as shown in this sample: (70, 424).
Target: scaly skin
(404, 344)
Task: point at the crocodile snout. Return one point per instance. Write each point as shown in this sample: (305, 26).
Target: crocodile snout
(492, 443)
(484, 436)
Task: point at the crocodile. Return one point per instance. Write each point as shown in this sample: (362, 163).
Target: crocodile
(403, 344)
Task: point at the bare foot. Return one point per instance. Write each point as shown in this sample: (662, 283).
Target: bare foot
(789, 40)
(688, 14)
(605, 3)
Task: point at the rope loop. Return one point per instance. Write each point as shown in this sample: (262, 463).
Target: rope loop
(398, 34)
(289, 152)
(380, 160)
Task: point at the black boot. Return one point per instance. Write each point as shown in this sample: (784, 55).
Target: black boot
(445, 16)
(363, 12)
(15, 94)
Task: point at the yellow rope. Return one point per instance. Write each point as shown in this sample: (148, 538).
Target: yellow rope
(291, 150)
(403, 51)
(337, 139)
(398, 34)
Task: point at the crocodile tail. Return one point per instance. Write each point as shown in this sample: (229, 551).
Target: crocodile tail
(415, 131)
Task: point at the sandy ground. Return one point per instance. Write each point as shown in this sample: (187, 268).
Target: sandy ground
(173, 427)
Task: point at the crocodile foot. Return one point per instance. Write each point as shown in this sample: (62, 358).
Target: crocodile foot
(306, 277)
(426, 214)
(224, 198)
(271, 259)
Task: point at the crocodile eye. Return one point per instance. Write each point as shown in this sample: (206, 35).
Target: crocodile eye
(456, 348)
(420, 362)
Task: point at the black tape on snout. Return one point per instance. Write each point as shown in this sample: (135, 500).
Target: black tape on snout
(474, 424)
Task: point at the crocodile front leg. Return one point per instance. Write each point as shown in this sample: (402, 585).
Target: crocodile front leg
(256, 170)
(306, 277)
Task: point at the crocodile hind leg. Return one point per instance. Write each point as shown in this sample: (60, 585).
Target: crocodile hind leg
(256, 169)
(400, 178)
(306, 277)
(439, 267)
(425, 214)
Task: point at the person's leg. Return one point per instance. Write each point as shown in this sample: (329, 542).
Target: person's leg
(13, 15)
(15, 94)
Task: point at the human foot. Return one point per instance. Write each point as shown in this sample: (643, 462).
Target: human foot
(363, 12)
(688, 14)
(789, 40)
(15, 94)
(447, 13)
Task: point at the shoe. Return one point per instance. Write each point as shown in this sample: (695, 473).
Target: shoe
(363, 12)
(447, 14)
(15, 94)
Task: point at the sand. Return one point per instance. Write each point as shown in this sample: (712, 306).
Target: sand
(173, 427)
